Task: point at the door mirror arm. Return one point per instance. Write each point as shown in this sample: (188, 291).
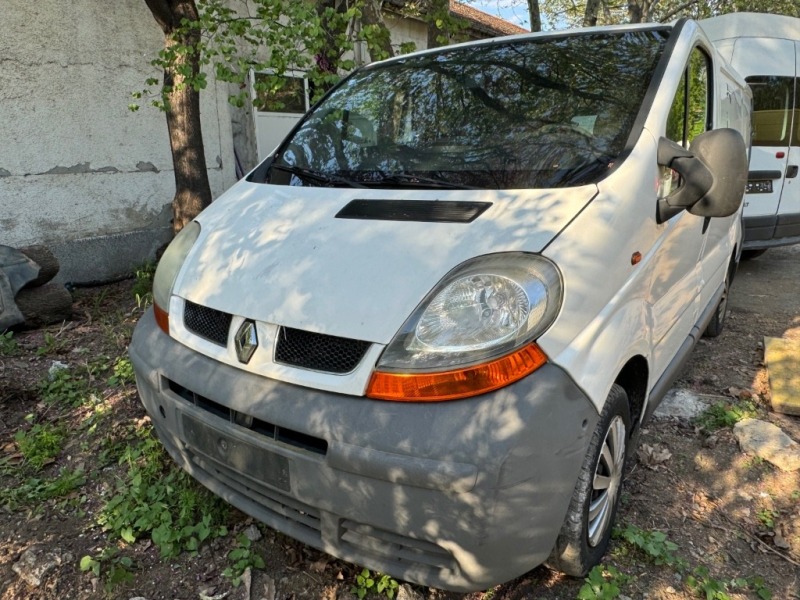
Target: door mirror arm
(696, 179)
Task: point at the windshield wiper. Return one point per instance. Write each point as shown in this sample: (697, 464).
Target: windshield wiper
(320, 178)
(408, 180)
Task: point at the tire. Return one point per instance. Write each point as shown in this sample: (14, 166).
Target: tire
(751, 254)
(717, 322)
(583, 538)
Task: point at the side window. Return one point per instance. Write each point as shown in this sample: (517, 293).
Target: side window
(773, 103)
(690, 114)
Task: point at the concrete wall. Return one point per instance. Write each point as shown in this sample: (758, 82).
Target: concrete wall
(78, 170)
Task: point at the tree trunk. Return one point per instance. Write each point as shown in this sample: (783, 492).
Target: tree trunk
(372, 16)
(192, 189)
(634, 11)
(590, 15)
(44, 305)
(535, 14)
(435, 10)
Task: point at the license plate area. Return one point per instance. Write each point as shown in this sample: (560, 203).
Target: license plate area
(250, 460)
(759, 187)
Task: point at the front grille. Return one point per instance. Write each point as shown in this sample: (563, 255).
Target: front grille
(277, 506)
(269, 430)
(398, 548)
(318, 352)
(208, 323)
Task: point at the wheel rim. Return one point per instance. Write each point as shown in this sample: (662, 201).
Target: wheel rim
(606, 481)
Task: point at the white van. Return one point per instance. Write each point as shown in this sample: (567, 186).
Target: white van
(423, 335)
(765, 49)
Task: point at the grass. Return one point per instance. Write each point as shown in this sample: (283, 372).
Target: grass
(8, 345)
(726, 414)
(41, 444)
(33, 492)
(154, 498)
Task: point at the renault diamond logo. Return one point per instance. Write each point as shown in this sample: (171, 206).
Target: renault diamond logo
(246, 341)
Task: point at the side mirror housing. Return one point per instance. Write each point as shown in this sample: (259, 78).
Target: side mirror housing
(714, 174)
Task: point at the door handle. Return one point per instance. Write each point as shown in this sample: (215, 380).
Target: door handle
(791, 171)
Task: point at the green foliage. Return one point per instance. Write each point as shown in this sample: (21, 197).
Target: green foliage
(276, 37)
(653, 544)
(602, 583)
(52, 345)
(767, 517)
(568, 13)
(702, 585)
(63, 387)
(143, 287)
(158, 499)
(123, 372)
(379, 583)
(8, 345)
(115, 570)
(40, 445)
(242, 557)
(34, 491)
(726, 414)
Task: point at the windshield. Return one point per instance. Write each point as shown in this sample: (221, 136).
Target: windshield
(541, 113)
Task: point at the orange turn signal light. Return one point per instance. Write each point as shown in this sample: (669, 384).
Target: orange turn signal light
(162, 318)
(461, 383)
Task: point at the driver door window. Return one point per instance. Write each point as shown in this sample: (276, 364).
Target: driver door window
(690, 114)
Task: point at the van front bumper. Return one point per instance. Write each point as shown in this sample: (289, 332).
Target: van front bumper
(458, 495)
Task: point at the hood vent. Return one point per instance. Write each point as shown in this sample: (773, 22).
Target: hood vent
(318, 352)
(424, 211)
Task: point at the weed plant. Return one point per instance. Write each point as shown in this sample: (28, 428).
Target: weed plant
(156, 498)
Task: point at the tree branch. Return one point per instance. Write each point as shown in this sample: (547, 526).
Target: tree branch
(671, 13)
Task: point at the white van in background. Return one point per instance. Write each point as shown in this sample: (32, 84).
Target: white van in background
(765, 49)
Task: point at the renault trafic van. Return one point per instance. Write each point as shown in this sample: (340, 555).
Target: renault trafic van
(765, 49)
(423, 334)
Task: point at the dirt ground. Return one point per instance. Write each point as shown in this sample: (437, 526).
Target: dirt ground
(699, 519)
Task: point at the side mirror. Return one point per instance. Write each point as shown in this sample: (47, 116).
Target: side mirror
(713, 171)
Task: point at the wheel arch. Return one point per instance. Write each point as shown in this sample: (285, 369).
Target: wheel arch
(633, 378)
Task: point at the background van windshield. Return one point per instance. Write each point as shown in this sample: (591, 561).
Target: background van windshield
(524, 114)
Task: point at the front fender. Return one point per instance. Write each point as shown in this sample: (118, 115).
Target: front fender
(596, 356)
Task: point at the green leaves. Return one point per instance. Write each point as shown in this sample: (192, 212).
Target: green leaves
(653, 544)
(242, 557)
(380, 583)
(275, 36)
(158, 499)
(602, 583)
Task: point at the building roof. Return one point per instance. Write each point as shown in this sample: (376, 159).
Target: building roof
(484, 21)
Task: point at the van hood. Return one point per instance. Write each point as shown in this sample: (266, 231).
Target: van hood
(279, 254)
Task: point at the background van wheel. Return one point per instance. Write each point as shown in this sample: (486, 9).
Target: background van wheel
(584, 536)
(751, 254)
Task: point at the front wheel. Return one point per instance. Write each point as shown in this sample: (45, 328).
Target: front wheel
(584, 536)
(717, 322)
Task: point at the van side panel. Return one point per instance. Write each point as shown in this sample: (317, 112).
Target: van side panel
(789, 210)
(766, 49)
(607, 316)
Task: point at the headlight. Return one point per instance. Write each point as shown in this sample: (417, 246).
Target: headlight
(167, 271)
(477, 324)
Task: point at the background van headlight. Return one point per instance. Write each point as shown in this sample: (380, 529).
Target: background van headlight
(474, 332)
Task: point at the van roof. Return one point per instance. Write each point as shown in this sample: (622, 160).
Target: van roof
(558, 33)
(743, 24)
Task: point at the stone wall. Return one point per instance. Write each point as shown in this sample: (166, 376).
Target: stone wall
(78, 170)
